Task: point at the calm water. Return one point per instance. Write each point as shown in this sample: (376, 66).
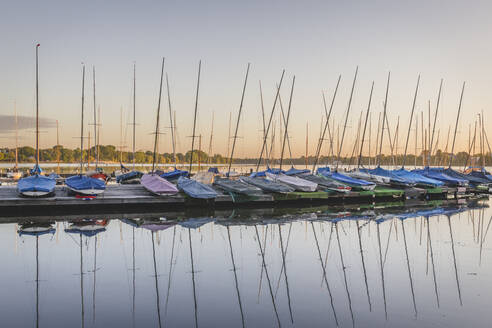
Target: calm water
(419, 267)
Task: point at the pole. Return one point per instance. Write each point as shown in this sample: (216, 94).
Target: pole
(287, 121)
(365, 126)
(37, 110)
(410, 122)
(134, 114)
(82, 124)
(346, 117)
(196, 110)
(238, 118)
(328, 114)
(456, 126)
(384, 119)
(270, 121)
(157, 121)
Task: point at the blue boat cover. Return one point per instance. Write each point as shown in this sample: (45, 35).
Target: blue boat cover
(37, 233)
(481, 174)
(325, 171)
(196, 189)
(269, 170)
(194, 223)
(389, 174)
(475, 180)
(83, 182)
(214, 170)
(128, 176)
(294, 171)
(36, 183)
(175, 174)
(88, 233)
(438, 174)
(417, 178)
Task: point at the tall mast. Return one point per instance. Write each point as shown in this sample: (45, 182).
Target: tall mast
(37, 110)
(384, 119)
(157, 121)
(173, 137)
(210, 142)
(287, 122)
(263, 118)
(456, 126)
(346, 117)
(17, 136)
(134, 114)
(229, 135)
(307, 144)
(328, 115)
(365, 126)
(270, 121)
(410, 122)
(57, 148)
(82, 124)
(196, 110)
(483, 141)
(434, 124)
(238, 118)
(95, 115)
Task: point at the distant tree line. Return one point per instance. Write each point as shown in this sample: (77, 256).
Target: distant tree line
(109, 153)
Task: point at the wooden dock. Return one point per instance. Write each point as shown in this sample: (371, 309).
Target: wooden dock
(135, 198)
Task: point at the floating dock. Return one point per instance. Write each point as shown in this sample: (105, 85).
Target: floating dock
(135, 198)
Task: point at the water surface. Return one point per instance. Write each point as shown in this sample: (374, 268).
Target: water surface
(413, 267)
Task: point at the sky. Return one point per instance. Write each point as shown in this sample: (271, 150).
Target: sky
(314, 40)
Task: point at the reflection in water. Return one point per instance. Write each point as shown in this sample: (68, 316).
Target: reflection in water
(395, 267)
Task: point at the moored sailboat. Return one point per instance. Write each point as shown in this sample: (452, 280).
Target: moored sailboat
(36, 185)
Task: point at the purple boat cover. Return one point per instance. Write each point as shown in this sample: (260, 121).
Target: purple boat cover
(158, 185)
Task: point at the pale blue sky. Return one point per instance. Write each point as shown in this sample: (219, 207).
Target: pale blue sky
(315, 40)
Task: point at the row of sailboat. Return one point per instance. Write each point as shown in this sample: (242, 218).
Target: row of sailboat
(271, 180)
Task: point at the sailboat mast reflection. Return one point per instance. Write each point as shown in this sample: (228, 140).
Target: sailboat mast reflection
(235, 277)
(324, 274)
(36, 229)
(267, 276)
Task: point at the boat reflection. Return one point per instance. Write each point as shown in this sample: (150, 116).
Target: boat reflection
(261, 267)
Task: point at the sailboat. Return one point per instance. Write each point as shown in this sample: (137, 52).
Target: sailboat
(83, 185)
(133, 176)
(191, 187)
(36, 185)
(152, 181)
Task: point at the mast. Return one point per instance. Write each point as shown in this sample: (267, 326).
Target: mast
(434, 124)
(17, 136)
(210, 142)
(410, 124)
(384, 119)
(57, 148)
(194, 118)
(263, 120)
(134, 114)
(287, 122)
(456, 126)
(229, 135)
(307, 143)
(37, 110)
(238, 118)
(173, 137)
(483, 140)
(346, 117)
(328, 114)
(95, 118)
(270, 121)
(365, 126)
(157, 121)
(81, 126)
